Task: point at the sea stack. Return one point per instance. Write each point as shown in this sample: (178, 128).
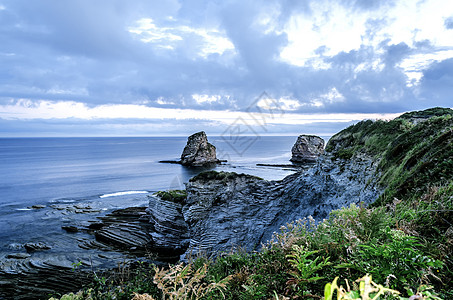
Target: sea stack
(307, 149)
(198, 151)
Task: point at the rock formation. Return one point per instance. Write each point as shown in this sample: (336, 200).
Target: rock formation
(39, 246)
(170, 231)
(241, 210)
(307, 149)
(198, 151)
(224, 210)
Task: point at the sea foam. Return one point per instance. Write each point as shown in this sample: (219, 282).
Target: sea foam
(123, 193)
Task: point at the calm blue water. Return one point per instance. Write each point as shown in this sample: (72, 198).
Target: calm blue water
(106, 174)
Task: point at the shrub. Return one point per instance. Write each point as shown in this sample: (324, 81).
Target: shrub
(400, 259)
(306, 267)
(183, 282)
(176, 196)
(368, 290)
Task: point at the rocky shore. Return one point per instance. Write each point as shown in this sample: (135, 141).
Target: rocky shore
(219, 211)
(91, 241)
(216, 212)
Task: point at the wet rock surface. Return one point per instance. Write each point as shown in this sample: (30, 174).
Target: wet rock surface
(64, 258)
(70, 228)
(31, 247)
(18, 255)
(37, 275)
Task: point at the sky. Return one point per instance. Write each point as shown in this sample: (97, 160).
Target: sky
(273, 67)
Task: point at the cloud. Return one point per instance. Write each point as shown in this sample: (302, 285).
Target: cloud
(206, 41)
(325, 125)
(436, 85)
(24, 109)
(449, 23)
(314, 57)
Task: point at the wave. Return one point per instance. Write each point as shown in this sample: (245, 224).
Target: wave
(123, 193)
(64, 200)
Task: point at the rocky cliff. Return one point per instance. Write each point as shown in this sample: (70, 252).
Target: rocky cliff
(225, 210)
(170, 231)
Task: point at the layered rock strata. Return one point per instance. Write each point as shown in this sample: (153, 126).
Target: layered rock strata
(226, 210)
(241, 210)
(170, 232)
(125, 229)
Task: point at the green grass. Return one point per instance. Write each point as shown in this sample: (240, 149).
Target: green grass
(415, 158)
(427, 113)
(176, 196)
(222, 176)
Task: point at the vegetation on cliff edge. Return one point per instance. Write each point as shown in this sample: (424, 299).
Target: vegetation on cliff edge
(223, 176)
(176, 196)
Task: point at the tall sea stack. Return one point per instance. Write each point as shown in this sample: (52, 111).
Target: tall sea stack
(198, 151)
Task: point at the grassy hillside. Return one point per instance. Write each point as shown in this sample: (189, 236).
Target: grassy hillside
(404, 240)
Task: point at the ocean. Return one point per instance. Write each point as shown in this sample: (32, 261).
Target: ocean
(72, 180)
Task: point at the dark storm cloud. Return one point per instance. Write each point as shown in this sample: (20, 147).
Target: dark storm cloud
(85, 45)
(378, 88)
(82, 28)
